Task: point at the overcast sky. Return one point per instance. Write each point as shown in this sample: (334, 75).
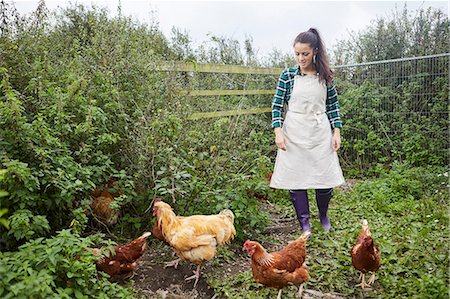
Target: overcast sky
(271, 24)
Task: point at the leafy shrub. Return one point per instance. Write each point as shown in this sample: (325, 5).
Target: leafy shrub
(384, 123)
(58, 267)
(403, 181)
(25, 225)
(4, 222)
(52, 160)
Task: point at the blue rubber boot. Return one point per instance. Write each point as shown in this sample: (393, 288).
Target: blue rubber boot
(323, 197)
(301, 205)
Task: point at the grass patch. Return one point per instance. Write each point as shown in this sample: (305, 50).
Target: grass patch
(408, 215)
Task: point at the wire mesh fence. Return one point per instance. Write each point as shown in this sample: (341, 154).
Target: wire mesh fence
(396, 109)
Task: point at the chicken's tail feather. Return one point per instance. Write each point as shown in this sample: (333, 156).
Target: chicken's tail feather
(145, 235)
(365, 227)
(228, 213)
(305, 235)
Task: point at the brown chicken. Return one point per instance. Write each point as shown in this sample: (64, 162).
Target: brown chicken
(101, 203)
(281, 268)
(123, 260)
(194, 238)
(365, 255)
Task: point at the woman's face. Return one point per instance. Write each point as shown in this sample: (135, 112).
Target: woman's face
(304, 54)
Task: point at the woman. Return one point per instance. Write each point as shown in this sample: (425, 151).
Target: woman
(309, 137)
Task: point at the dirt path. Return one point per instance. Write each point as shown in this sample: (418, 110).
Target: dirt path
(152, 280)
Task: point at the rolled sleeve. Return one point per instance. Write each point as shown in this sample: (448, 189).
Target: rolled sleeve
(279, 99)
(332, 107)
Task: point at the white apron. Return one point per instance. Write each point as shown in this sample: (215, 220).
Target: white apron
(309, 162)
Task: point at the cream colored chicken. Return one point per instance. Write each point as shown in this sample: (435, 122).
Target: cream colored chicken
(194, 238)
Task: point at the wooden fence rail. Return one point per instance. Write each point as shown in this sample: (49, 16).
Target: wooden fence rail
(222, 68)
(229, 92)
(229, 113)
(218, 68)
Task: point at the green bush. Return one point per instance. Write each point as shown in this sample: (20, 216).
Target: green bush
(57, 267)
(83, 102)
(383, 124)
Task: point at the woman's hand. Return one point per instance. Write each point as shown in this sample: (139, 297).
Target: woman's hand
(279, 139)
(336, 139)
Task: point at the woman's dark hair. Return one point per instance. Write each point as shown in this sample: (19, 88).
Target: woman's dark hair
(312, 37)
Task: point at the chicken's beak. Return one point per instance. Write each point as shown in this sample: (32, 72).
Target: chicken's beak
(246, 246)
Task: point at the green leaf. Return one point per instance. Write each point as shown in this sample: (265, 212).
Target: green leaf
(4, 222)
(78, 294)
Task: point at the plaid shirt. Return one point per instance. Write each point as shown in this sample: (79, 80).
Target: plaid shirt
(283, 93)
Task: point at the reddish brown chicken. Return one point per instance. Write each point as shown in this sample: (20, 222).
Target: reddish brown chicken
(124, 259)
(281, 268)
(365, 255)
(102, 198)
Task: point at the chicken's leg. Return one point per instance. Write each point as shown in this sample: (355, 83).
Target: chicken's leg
(279, 294)
(371, 279)
(300, 291)
(173, 263)
(363, 283)
(196, 275)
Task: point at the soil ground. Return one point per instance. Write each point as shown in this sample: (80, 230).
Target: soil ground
(153, 280)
